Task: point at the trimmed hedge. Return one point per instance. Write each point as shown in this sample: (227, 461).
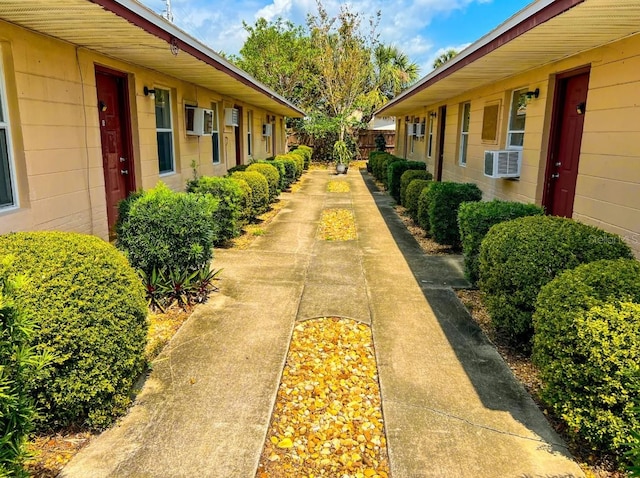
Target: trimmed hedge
(374, 158)
(230, 194)
(476, 218)
(384, 165)
(298, 159)
(444, 200)
(259, 190)
(282, 171)
(409, 176)
(587, 347)
(414, 190)
(518, 257)
(169, 230)
(239, 167)
(91, 314)
(423, 209)
(289, 171)
(272, 176)
(307, 154)
(394, 174)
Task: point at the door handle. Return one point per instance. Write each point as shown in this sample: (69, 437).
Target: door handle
(123, 160)
(555, 176)
(124, 171)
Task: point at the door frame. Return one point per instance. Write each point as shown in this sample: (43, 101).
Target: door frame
(559, 99)
(440, 137)
(125, 111)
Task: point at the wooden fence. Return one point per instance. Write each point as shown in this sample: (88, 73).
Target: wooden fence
(367, 141)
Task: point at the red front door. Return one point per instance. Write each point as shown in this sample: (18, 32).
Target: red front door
(115, 139)
(562, 168)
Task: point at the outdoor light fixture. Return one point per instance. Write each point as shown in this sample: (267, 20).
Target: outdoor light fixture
(433, 114)
(148, 92)
(532, 94)
(581, 108)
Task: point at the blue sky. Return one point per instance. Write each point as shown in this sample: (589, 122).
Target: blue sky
(421, 28)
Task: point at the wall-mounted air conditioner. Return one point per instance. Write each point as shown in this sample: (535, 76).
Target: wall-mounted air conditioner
(411, 129)
(502, 164)
(231, 117)
(199, 121)
(420, 130)
(267, 129)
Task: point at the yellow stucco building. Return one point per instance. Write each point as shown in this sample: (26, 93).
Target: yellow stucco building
(101, 98)
(543, 109)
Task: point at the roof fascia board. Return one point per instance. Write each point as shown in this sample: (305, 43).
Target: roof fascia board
(146, 19)
(523, 21)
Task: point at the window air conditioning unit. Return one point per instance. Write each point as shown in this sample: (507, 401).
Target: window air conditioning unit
(411, 129)
(199, 121)
(231, 117)
(267, 129)
(502, 164)
(420, 130)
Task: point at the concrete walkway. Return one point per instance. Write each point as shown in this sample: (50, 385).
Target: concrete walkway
(451, 406)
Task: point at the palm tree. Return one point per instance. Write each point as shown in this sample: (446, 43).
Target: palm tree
(393, 70)
(445, 57)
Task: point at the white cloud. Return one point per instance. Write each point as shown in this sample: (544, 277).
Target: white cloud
(404, 22)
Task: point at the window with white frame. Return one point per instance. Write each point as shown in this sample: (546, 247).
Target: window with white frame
(464, 132)
(432, 118)
(250, 133)
(517, 119)
(215, 135)
(8, 197)
(164, 131)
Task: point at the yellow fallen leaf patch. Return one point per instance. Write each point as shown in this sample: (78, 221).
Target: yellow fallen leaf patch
(337, 225)
(327, 413)
(338, 187)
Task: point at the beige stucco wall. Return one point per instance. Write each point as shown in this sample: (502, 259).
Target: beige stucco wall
(57, 156)
(608, 186)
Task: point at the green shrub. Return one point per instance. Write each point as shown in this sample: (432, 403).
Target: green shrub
(259, 190)
(123, 209)
(307, 152)
(20, 367)
(409, 176)
(383, 169)
(414, 190)
(282, 171)
(587, 347)
(445, 199)
(374, 158)
(166, 229)
(395, 171)
(476, 218)
(272, 176)
(518, 257)
(299, 160)
(289, 170)
(423, 209)
(229, 194)
(239, 167)
(90, 310)
(379, 167)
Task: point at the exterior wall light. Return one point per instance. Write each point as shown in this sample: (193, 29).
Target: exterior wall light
(149, 92)
(532, 94)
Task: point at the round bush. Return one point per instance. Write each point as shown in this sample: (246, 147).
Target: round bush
(298, 158)
(272, 176)
(412, 195)
(445, 199)
(169, 230)
(259, 190)
(476, 218)
(282, 171)
(395, 172)
(229, 193)
(409, 176)
(383, 167)
(289, 170)
(307, 153)
(89, 306)
(587, 347)
(423, 208)
(518, 257)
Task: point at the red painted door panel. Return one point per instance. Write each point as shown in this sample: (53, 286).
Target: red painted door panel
(563, 169)
(113, 137)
